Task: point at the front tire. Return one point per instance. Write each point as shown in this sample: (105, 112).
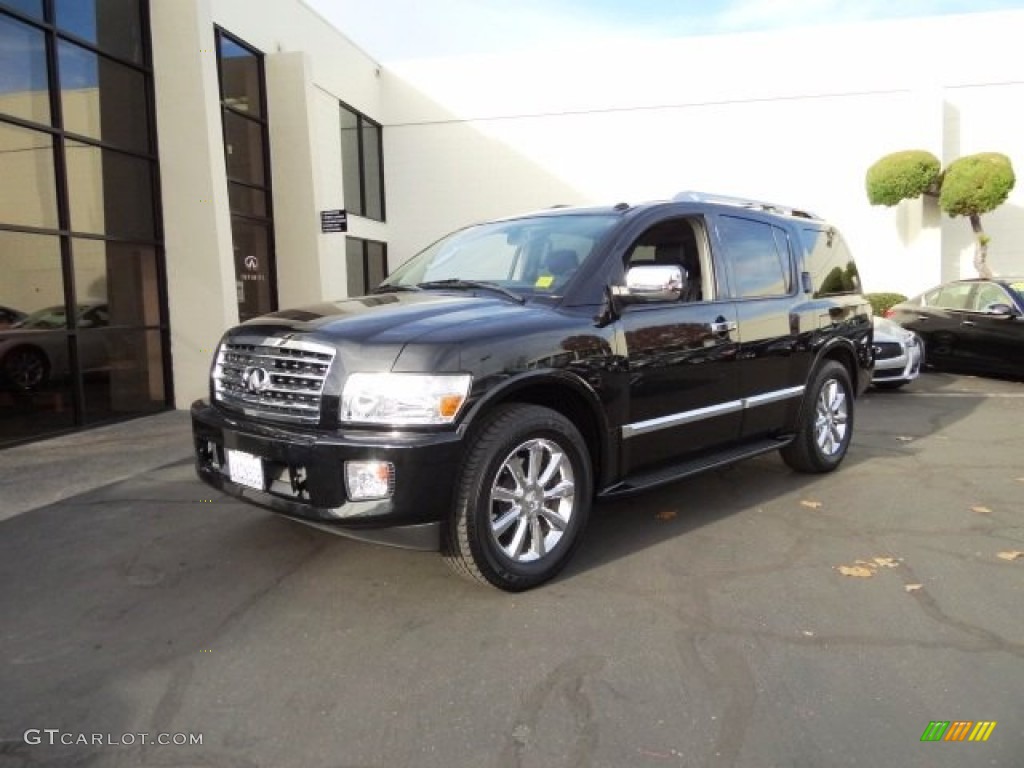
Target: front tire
(826, 422)
(522, 500)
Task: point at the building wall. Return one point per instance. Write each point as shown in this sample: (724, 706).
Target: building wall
(310, 67)
(794, 117)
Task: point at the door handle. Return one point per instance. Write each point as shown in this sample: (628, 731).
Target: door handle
(968, 323)
(721, 325)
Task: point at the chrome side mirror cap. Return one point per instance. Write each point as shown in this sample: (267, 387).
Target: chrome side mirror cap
(662, 282)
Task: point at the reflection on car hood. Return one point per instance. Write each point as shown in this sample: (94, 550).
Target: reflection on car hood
(887, 330)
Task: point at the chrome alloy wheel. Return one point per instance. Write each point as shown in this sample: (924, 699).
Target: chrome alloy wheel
(831, 418)
(532, 500)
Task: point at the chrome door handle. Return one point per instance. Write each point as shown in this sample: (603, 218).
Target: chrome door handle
(723, 326)
(967, 322)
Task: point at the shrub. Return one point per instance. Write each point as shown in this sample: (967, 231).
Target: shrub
(902, 176)
(882, 301)
(976, 184)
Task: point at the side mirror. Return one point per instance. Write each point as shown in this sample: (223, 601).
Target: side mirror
(653, 283)
(1001, 309)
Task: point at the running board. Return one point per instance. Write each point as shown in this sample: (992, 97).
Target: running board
(646, 480)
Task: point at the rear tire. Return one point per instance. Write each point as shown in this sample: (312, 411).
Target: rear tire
(826, 422)
(522, 499)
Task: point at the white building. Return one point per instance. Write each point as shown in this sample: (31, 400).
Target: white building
(170, 162)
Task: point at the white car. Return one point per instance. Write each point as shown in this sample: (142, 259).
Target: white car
(899, 355)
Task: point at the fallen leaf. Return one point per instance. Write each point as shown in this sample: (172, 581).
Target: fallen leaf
(886, 562)
(912, 587)
(981, 510)
(668, 514)
(857, 570)
(811, 504)
(1011, 555)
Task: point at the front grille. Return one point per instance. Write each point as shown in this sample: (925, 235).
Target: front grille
(885, 350)
(272, 378)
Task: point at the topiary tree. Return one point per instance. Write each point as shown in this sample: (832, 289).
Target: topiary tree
(971, 186)
(974, 185)
(902, 176)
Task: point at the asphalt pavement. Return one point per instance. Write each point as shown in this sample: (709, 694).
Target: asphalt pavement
(751, 617)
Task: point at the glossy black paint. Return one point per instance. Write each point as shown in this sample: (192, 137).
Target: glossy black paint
(618, 370)
(964, 329)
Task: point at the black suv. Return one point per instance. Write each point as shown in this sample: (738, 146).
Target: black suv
(495, 384)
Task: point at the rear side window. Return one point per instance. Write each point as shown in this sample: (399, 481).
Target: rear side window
(830, 262)
(758, 255)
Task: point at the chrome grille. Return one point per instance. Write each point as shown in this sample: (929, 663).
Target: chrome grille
(273, 378)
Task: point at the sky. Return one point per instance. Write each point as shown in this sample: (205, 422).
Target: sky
(392, 30)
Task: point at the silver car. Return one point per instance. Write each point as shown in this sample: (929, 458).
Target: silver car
(899, 355)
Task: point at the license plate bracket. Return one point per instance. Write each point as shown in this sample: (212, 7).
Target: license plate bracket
(246, 469)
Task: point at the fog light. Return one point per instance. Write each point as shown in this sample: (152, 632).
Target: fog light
(365, 480)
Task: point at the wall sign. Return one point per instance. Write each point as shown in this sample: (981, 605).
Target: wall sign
(334, 221)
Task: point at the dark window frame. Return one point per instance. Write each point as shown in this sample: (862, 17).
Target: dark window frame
(362, 121)
(365, 248)
(53, 34)
(263, 122)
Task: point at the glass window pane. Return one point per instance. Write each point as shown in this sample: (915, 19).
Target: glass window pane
(240, 77)
(28, 157)
(121, 278)
(376, 263)
(111, 193)
(354, 266)
(350, 162)
(122, 372)
(243, 149)
(253, 272)
(372, 176)
(113, 26)
(28, 7)
(24, 84)
(103, 99)
(32, 276)
(246, 200)
(35, 395)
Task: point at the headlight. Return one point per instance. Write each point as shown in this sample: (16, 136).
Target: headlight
(403, 398)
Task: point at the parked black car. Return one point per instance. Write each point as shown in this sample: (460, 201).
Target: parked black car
(975, 325)
(497, 382)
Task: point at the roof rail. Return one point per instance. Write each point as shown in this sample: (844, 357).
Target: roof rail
(740, 202)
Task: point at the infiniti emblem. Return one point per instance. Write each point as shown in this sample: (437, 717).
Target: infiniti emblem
(256, 379)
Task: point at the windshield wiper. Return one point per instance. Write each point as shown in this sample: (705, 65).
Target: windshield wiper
(395, 288)
(456, 282)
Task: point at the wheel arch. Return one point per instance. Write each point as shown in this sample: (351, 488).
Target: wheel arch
(563, 392)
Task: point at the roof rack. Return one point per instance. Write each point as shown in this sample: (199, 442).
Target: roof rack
(740, 202)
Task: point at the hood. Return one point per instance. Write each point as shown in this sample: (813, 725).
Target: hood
(887, 330)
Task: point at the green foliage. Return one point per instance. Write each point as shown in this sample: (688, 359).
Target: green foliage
(902, 176)
(976, 184)
(882, 301)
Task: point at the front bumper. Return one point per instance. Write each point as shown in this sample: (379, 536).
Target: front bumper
(898, 361)
(303, 474)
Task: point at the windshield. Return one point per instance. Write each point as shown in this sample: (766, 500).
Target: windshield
(536, 255)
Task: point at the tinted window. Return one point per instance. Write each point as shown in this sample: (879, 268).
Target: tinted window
(830, 263)
(758, 265)
(361, 168)
(24, 90)
(952, 296)
(366, 263)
